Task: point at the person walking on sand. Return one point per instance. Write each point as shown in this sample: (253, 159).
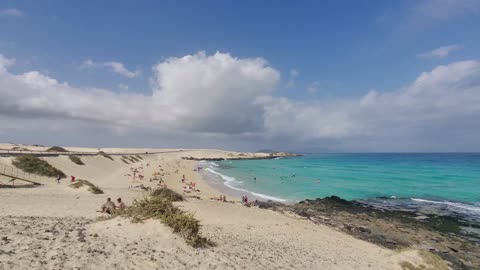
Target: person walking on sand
(58, 179)
(73, 178)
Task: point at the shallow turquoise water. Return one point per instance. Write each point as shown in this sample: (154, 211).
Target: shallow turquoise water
(437, 177)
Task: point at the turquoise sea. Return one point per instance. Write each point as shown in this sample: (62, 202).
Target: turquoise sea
(448, 182)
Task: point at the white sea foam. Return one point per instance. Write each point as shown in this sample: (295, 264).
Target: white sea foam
(224, 177)
(452, 204)
(267, 197)
(231, 183)
(214, 164)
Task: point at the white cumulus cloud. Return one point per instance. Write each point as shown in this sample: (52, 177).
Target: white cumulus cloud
(116, 67)
(232, 101)
(215, 93)
(437, 107)
(202, 93)
(441, 52)
(5, 62)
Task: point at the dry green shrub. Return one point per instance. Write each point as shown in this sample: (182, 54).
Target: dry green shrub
(134, 159)
(128, 158)
(159, 205)
(76, 160)
(35, 165)
(167, 194)
(56, 149)
(91, 187)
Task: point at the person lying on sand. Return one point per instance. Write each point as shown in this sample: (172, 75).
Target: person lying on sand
(108, 207)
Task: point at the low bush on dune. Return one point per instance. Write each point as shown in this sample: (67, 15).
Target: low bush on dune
(139, 157)
(124, 161)
(35, 165)
(167, 194)
(76, 160)
(105, 155)
(159, 205)
(91, 187)
(56, 149)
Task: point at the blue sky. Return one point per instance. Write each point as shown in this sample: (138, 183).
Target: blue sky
(348, 47)
(322, 50)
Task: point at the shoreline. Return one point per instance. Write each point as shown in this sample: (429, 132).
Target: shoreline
(363, 217)
(218, 181)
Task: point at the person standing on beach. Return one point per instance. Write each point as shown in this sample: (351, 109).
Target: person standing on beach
(73, 178)
(58, 179)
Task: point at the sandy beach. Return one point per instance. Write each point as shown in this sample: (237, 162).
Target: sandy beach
(54, 226)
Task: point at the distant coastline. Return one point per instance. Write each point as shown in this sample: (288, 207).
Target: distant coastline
(267, 156)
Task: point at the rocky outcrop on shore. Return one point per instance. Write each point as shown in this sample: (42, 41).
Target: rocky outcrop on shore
(391, 229)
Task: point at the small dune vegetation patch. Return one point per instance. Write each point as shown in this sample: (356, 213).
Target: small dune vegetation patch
(91, 187)
(76, 160)
(105, 155)
(130, 159)
(56, 149)
(159, 205)
(35, 165)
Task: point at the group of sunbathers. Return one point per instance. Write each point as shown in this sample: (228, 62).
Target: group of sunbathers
(189, 187)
